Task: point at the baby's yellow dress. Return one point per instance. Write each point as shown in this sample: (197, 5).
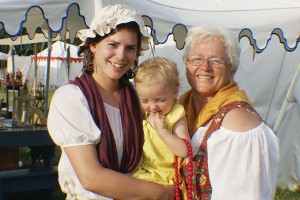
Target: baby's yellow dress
(158, 161)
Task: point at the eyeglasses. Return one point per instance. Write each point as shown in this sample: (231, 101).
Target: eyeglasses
(213, 62)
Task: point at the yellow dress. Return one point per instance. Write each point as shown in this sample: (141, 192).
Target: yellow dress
(158, 161)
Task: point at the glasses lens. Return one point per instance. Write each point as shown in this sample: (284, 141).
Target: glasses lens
(198, 61)
(217, 62)
(213, 62)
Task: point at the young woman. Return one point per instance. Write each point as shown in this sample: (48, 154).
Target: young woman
(96, 119)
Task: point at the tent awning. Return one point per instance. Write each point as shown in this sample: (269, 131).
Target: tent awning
(252, 19)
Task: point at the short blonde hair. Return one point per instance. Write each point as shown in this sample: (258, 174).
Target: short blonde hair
(157, 69)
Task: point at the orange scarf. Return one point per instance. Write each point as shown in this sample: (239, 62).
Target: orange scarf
(228, 94)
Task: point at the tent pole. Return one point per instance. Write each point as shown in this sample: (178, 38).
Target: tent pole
(287, 99)
(68, 62)
(48, 72)
(35, 70)
(12, 53)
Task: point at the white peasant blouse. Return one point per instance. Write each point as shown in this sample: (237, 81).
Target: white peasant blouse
(242, 165)
(70, 123)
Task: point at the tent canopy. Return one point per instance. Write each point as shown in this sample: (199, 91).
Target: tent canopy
(252, 19)
(58, 16)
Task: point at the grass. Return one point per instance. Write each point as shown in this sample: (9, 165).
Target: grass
(287, 194)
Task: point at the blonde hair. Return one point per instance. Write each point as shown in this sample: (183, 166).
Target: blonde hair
(157, 69)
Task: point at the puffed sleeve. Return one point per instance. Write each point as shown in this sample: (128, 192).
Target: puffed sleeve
(177, 112)
(243, 165)
(69, 120)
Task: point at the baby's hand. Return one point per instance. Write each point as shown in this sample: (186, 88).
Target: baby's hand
(159, 122)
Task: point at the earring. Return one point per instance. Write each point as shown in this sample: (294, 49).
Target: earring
(90, 66)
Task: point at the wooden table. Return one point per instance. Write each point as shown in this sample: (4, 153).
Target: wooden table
(28, 179)
(25, 136)
(35, 137)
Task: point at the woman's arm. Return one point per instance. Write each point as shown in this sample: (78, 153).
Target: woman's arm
(173, 140)
(243, 156)
(240, 119)
(106, 182)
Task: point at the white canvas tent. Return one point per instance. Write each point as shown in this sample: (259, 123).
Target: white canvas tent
(268, 31)
(64, 66)
(3, 56)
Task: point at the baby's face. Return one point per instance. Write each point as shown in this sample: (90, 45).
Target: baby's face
(156, 97)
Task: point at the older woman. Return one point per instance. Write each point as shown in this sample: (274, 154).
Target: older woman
(235, 153)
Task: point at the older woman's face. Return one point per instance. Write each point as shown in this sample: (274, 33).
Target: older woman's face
(207, 78)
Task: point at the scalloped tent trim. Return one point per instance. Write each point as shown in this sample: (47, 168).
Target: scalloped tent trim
(164, 19)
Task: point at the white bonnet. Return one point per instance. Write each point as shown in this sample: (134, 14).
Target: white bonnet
(109, 17)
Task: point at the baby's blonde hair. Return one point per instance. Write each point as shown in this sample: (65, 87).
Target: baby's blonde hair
(157, 69)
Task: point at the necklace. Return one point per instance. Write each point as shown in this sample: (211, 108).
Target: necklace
(189, 177)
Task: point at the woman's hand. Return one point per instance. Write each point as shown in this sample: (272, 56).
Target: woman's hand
(165, 193)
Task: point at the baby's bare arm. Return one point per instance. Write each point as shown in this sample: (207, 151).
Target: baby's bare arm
(173, 140)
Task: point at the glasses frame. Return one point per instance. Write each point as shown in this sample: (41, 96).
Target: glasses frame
(218, 63)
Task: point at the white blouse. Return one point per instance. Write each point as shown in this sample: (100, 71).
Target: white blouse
(70, 123)
(242, 165)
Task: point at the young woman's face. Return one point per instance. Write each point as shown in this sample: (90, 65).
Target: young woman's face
(115, 54)
(158, 97)
(209, 77)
